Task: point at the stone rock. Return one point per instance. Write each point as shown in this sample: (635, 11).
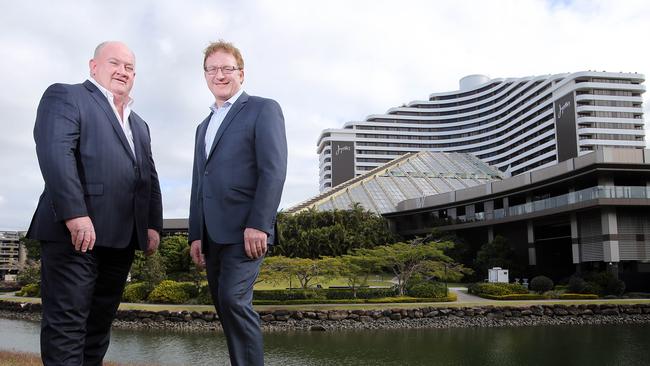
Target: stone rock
(432, 314)
(610, 311)
(365, 319)
(317, 328)
(267, 318)
(297, 315)
(282, 318)
(337, 314)
(396, 316)
(560, 312)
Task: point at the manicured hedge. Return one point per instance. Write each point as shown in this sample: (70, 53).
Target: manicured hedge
(284, 295)
(497, 289)
(30, 290)
(168, 292)
(135, 292)
(515, 297)
(570, 296)
(428, 290)
(363, 293)
(190, 289)
(386, 300)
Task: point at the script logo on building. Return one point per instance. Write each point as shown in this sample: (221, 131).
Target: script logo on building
(565, 128)
(342, 161)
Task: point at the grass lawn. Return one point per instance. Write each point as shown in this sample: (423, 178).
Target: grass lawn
(12, 358)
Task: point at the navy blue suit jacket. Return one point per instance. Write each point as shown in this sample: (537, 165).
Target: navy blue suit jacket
(239, 184)
(89, 169)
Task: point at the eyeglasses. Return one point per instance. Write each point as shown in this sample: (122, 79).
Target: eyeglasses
(226, 70)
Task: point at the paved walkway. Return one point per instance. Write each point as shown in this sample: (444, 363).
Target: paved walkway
(464, 297)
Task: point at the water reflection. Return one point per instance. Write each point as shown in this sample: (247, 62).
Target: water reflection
(560, 345)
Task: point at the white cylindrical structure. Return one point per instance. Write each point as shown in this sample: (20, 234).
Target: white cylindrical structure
(472, 81)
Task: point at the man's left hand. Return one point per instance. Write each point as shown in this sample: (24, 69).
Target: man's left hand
(153, 240)
(254, 243)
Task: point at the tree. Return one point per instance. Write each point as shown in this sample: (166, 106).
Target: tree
(496, 253)
(33, 248)
(313, 234)
(30, 273)
(175, 253)
(408, 259)
(277, 268)
(150, 270)
(354, 268)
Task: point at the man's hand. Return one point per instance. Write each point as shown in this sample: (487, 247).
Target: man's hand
(197, 256)
(254, 243)
(153, 241)
(82, 233)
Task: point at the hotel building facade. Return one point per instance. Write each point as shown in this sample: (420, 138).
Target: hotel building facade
(514, 124)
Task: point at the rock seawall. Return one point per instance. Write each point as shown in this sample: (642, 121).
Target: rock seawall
(424, 317)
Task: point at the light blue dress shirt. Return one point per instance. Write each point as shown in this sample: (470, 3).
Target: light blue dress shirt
(218, 115)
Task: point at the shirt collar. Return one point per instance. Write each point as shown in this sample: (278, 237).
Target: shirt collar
(108, 94)
(229, 102)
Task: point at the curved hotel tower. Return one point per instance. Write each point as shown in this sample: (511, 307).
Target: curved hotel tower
(514, 124)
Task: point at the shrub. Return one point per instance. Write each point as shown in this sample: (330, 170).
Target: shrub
(569, 296)
(364, 293)
(190, 289)
(204, 297)
(541, 284)
(516, 297)
(284, 295)
(30, 290)
(30, 274)
(608, 283)
(135, 292)
(497, 289)
(168, 292)
(577, 285)
(428, 290)
(592, 288)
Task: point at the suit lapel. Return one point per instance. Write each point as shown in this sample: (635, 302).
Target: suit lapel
(239, 104)
(138, 135)
(103, 103)
(200, 140)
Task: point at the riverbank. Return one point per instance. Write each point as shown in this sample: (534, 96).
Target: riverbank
(393, 318)
(11, 358)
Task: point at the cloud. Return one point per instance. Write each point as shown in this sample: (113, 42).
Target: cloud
(326, 63)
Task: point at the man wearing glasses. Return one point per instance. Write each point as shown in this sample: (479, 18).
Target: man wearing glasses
(240, 163)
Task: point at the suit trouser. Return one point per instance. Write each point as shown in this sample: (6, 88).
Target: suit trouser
(81, 293)
(231, 276)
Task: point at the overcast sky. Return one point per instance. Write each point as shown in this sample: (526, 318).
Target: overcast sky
(325, 62)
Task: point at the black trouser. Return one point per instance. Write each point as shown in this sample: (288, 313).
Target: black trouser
(80, 294)
(231, 276)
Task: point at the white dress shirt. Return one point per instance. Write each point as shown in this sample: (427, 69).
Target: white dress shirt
(126, 126)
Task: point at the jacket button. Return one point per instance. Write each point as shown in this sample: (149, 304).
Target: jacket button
(206, 172)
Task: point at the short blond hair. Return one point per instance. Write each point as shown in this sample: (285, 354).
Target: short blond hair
(224, 46)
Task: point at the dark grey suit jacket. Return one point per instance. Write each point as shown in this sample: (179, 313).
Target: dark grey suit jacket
(89, 169)
(239, 184)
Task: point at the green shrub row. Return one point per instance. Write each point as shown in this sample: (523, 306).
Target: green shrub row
(515, 297)
(497, 289)
(570, 296)
(166, 292)
(383, 300)
(30, 290)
